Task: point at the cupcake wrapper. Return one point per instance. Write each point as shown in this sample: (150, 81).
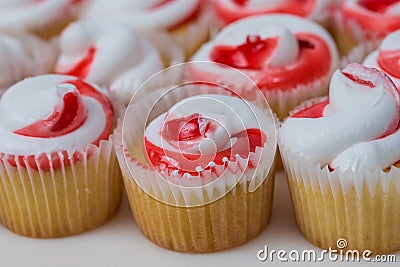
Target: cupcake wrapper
(358, 53)
(363, 208)
(349, 36)
(184, 214)
(61, 202)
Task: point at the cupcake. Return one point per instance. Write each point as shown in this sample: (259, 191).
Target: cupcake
(186, 21)
(289, 58)
(229, 11)
(58, 169)
(110, 54)
(199, 176)
(45, 18)
(386, 57)
(341, 157)
(361, 21)
(23, 55)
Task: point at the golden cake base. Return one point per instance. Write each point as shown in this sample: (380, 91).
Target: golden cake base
(366, 222)
(51, 204)
(230, 221)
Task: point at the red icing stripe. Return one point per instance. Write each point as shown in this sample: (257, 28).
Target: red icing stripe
(377, 6)
(300, 8)
(255, 51)
(61, 123)
(191, 133)
(389, 61)
(313, 112)
(82, 68)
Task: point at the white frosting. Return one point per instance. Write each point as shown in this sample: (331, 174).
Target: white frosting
(34, 99)
(142, 15)
(32, 15)
(320, 11)
(122, 61)
(228, 116)
(282, 26)
(391, 42)
(24, 55)
(356, 116)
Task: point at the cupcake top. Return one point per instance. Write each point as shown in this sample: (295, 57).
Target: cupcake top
(53, 113)
(32, 15)
(375, 18)
(387, 57)
(144, 15)
(201, 134)
(232, 10)
(356, 129)
(107, 53)
(278, 52)
(22, 55)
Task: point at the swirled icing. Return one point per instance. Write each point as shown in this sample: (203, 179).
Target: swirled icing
(387, 57)
(275, 51)
(144, 15)
(32, 15)
(376, 18)
(357, 129)
(190, 138)
(53, 113)
(107, 53)
(232, 10)
(22, 55)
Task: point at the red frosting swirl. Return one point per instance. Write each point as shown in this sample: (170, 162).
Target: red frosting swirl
(253, 54)
(240, 10)
(372, 16)
(189, 132)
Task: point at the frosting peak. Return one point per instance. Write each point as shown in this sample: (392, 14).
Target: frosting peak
(107, 53)
(363, 107)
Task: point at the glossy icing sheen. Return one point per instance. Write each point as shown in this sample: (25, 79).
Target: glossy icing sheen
(387, 57)
(50, 114)
(109, 54)
(232, 10)
(34, 14)
(190, 138)
(357, 129)
(144, 15)
(275, 51)
(22, 55)
(376, 18)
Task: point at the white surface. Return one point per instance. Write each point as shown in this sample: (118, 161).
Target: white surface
(119, 243)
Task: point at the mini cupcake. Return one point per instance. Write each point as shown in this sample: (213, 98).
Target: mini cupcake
(387, 57)
(199, 177)
(341, 158)
(229, 11)
(360, 21)
(45, 18)
(110, 54)
(58, 171)
(289, 58)
(23, 55)
(187, 21)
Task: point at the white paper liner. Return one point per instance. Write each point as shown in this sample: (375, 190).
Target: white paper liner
(71, 199)
(358, 53)
(301, 169)
(352, 40)
(188, 192)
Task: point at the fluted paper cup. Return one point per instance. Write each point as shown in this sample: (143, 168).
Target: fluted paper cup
(82, 192)
(193, 214)
(360, 209)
